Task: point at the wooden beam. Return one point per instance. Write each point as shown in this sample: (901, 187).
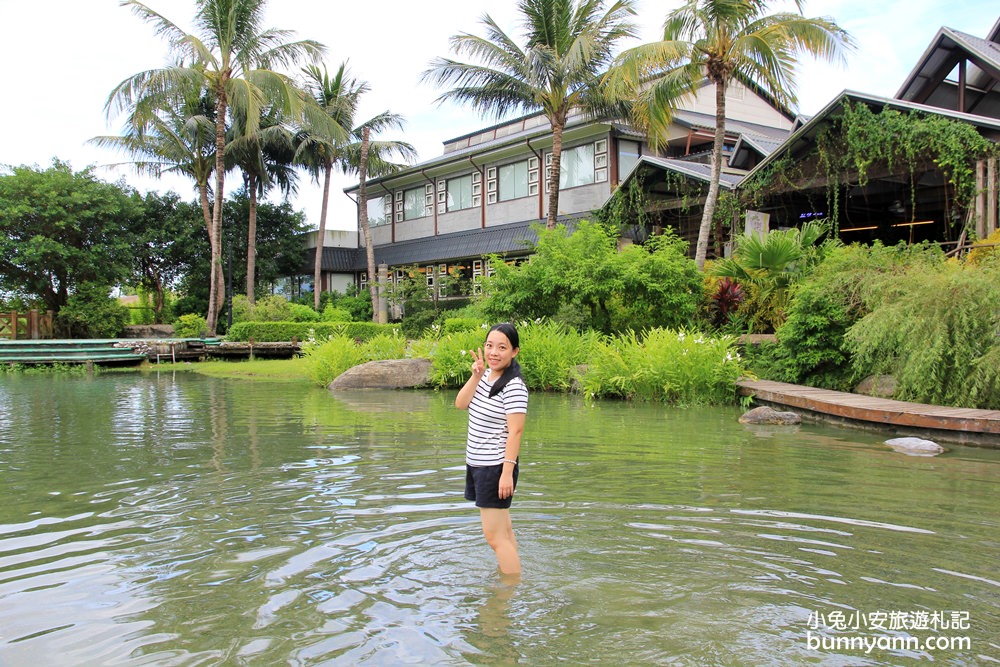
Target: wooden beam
(992, 196)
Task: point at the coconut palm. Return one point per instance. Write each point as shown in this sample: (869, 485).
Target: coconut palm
(723, 40)
(233, 58)
(177, 138)
(567, 46)
(266, 160)
(321, 151)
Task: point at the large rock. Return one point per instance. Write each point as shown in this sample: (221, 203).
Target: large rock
(882, 386)
(149, 331)
(389, 374)
(767, 415)
(915, 446)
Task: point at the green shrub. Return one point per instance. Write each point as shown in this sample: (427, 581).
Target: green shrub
(91, 312)
(326, 360)
(190, 326)
(551, 352)
(274, 332)
(679, 367)
(242, 309)
(416, 324)
(384, 346)
(334, 314)
(936, 332)
(300, 313)
(450, 357)
(454, 324)
(272, 308)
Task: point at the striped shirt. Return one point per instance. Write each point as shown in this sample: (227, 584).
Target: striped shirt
(487, 440)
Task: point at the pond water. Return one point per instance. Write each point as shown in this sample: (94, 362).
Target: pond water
(170, 519)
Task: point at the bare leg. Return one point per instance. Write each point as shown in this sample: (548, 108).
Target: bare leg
(499, 533)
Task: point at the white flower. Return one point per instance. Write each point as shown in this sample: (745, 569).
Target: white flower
(680, 335)
(463, 353)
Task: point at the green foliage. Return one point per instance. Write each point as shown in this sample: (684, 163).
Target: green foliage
(679, 367)
(453, 324)
(273, 308)
(48, 369)
(355, 302)
(242, 309)
(326, 360)
(301, 313)
(767, 267)
(273, 332)
(92, 313)
(639, 287)
(191, 325)
(551, 353)
(450, 357)
(334, 314)
(60, 229)
(935, 332)
(390, 345)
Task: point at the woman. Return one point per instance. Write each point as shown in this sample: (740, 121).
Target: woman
(497, 400)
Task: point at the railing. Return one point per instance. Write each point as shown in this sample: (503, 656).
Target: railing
(33, 325)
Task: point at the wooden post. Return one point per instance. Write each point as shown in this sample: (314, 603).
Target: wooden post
(33, 332)
(991, 196)
(980, 203)
(13, 325)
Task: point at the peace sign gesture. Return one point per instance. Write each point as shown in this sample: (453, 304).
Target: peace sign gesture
(478, 362)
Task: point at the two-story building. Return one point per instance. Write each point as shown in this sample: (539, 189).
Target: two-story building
(485, 192)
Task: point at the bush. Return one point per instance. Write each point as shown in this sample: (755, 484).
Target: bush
(671, 366)
(450, 357)
(334, 314)
(935, 332)
(275, 332)
(190, 326)
(91, 312)
(272, 308)
(551, 352)
(242, 309)
(326, 360)
(300, 313)
(455, 324)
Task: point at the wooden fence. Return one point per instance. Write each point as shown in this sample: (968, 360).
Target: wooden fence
(22, 326)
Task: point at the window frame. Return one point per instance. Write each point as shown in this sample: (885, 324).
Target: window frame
(449, 198)
(418, 201)
(562, 166)
(500, 181)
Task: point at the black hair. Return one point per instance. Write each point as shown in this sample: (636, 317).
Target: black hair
(514, 370)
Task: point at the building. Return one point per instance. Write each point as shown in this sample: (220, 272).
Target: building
(488, 189)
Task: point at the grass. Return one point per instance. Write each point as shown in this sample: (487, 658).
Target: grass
(265, 370)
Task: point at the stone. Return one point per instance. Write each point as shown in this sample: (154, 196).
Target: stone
(387, 374)
(768, 415)
(915, 446)
(149, 331)
(882, 386)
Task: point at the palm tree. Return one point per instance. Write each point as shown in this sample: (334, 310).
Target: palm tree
(567, 45)
(233, 58)
(346, 149)
(265, 160)
(176, 138)
(723, 40)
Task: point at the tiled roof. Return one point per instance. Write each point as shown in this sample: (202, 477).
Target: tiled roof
(516, 238)
(707, 122)
(335, 260)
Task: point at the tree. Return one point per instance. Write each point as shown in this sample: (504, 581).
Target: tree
(176, 137)
(321, 150)
(266, 160)
(584, 280)
(567, 46)
(60, 229)
(161, 237)
(232, 57)
(722, 40)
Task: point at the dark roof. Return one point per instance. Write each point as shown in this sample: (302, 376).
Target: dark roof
(945, 51)
(706, 121)
(515, 238)
(335, 260)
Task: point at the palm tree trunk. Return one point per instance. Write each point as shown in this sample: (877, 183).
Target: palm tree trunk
(363, 220)
(701, 250)
(206, 210)
(214, 296)
(321, 237)
(558, 124)
(252, 238)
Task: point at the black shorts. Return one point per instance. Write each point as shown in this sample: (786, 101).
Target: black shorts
(482, 485)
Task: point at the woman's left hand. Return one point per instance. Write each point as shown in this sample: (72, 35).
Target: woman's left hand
(506, 489)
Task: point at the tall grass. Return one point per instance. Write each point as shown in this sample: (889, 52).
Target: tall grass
(551, 352)
(680, 367)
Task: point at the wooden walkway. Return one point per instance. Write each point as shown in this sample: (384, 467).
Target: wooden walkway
(972, 427)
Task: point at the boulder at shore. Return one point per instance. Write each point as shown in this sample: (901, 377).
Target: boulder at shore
(387, 374)
(767, 415)
(882, 386)
(915, 446)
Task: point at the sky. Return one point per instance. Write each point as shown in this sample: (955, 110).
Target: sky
(61, 59)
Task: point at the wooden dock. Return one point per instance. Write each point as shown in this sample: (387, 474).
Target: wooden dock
(935, 422)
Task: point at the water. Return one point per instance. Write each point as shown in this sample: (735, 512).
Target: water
(181, 520)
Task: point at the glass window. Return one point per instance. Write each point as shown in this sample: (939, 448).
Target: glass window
(460, 193)
(413, 203)
(628, 155)
(577, 167)
(376, 212)
(514, 181)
